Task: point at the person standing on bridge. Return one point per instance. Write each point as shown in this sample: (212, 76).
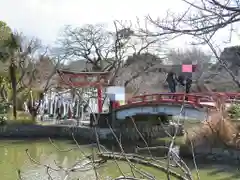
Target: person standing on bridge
(188, 84)
(171, 80)
(188, 70)
(181, 83)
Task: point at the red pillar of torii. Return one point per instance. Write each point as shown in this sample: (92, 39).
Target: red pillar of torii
(85, 79)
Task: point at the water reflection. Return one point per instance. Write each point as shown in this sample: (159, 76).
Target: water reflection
(13, 157)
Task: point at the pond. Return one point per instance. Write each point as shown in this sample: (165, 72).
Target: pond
(13, 157)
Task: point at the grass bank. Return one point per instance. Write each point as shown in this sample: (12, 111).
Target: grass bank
(22, 118)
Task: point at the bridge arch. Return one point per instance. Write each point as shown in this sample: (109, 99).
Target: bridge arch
(195, 105)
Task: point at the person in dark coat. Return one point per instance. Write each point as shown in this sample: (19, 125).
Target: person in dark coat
(188, 84)
(171, 82)
(181, 80)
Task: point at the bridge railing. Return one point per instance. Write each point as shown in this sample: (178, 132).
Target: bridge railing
(174, 98)
(170, 97)
(196, 99)
(229, 97)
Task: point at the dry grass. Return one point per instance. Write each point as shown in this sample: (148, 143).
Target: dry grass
(217, 130)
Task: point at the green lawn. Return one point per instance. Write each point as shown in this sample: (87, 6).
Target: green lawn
(22, 118)
(178, 141)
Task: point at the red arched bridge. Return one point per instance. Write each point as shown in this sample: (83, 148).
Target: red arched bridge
(193, 105)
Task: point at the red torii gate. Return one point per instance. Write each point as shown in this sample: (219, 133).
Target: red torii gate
(72, 79)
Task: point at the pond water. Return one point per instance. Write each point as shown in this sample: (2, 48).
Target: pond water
(13, 157)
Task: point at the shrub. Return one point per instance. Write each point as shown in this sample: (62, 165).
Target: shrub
(3, 120)
(4, 108)
(234, 111)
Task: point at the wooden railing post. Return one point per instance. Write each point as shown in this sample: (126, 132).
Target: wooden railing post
(143, 98)
(178, 97)
(159, 98)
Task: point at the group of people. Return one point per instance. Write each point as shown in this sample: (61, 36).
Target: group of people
(173, 80)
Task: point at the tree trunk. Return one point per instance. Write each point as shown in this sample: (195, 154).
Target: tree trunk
(12, 71)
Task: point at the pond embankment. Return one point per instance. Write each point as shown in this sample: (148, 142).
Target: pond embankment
(59, 131)
(39, 131)
(206, 153)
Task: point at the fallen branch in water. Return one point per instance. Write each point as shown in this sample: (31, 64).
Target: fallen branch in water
(127, 178)
(141, 160)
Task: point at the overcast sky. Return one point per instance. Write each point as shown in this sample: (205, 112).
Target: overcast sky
(45, 18)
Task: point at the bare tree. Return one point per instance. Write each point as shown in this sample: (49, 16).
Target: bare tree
(43, 81)
(202, 20)
(90, 42)
(188, 56)
(231, 56)
(135, 75)
(22, 58)
(30, 60)
(103, 50)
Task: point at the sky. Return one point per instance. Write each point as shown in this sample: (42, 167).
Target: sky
(46, 18)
